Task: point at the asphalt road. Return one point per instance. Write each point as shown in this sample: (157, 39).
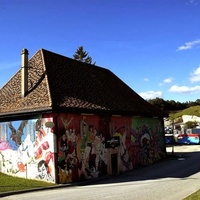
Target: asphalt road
(172, 179)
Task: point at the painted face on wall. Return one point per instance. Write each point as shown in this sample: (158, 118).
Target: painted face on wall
(42, 169)
(145, 139)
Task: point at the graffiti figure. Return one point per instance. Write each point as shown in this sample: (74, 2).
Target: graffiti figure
(146, 154)
(26, 150)
(38, 125)
(72, 140)
(17, 134)
(72, 167)
(88, 150)
(66, 123)
(84, 132)
(84, 127)
(43, 172)
(100, 161)
(64, 145)
(124, 153)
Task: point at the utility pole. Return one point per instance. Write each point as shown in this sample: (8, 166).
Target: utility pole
(173, 136)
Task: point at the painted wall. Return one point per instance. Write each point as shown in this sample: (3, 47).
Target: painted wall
(81, 149)
(27, 149)
(87, 146)
(82, 145)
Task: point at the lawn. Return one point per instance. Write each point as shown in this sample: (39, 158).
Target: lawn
(193, 196)
(10, 183)
(193, 110)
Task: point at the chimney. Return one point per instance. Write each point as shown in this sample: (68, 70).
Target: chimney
(24, 72)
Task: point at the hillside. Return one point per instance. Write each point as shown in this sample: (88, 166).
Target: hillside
(193, 110)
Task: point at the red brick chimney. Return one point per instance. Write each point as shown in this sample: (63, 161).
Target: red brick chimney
(24, 72)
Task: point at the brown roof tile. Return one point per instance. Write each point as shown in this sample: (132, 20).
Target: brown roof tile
(59, 82)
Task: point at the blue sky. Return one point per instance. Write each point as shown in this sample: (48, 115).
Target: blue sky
(151, 45)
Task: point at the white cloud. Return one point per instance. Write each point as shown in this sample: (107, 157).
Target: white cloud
(191, 2)
(166, 81)
(184, 89)
(195, 76)
(188, 45)
(146, 79)
(150, 94)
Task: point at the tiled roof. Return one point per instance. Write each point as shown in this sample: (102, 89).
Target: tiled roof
(58, 82)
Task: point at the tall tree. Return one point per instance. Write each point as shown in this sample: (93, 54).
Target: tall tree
(83, 56)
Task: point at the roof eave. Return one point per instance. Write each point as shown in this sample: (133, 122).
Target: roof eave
(25, 113)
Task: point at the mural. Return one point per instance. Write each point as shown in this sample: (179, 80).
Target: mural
(142, 141)
(27, 149)
(81, 148)
(83, 152)
(86, 146)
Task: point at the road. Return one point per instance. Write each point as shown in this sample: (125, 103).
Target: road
(172, 179)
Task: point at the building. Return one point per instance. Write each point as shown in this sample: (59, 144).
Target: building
(62, 121)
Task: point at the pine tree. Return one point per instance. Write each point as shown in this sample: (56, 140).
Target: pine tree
(83, 56)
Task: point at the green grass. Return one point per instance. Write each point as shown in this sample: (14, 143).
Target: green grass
(193, 196)
(194, 110)
(10, 183)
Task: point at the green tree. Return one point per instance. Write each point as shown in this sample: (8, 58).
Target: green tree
(190, 124)
(197, 101)
(158, 102)
(83, 56)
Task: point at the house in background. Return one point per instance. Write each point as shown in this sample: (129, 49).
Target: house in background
(63, 121)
